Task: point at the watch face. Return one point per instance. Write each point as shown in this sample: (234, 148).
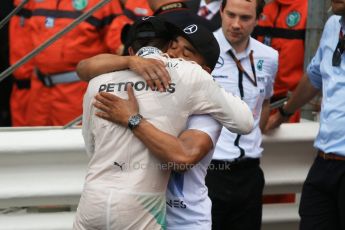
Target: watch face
(134, 121)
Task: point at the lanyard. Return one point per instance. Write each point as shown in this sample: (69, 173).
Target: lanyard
(241, 72)
(240, 67)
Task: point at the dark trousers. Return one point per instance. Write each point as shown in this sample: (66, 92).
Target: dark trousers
(322, 204)
(236, 196)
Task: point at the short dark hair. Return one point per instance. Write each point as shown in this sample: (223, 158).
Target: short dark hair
(149, 31)
(259, 6)
(160, 43)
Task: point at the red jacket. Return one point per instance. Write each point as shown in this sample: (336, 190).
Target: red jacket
(282, 26)
(100, 33)
(89, 38)
(19, 42)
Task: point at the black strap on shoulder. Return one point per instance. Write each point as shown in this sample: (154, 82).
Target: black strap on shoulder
(24, 13)
(278, 32)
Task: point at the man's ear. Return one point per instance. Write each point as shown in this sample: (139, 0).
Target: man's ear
(207, 69)
(131, 51)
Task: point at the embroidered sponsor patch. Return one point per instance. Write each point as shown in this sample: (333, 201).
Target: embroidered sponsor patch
(172, 6)
(79, 4)
(260, 64)
(293, 18)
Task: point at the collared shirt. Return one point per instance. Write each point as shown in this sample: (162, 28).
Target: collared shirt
(213, 7)
(230, 145)
(331, 80)
(188, 204)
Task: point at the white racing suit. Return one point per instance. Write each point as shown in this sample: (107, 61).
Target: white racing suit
(125, 184)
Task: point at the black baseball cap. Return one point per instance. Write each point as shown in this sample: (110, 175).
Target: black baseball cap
(148, 27)
(197, 34)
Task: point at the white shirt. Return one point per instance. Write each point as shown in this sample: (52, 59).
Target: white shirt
(226, 74)
(119, 161)
(188, 204)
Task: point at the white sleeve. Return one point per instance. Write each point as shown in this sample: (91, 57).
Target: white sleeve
(87, 121)
(208, 97)
(206, 124)
(272, 75)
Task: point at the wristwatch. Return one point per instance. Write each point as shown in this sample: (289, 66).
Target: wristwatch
(134, 121)
(283, 112)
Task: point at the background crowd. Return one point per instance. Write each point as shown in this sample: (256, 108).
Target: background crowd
(47, 92)
(29, 98)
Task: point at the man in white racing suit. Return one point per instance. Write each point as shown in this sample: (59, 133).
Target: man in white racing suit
(125, 184)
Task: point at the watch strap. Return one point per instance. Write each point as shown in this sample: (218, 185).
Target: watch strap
(283, 112)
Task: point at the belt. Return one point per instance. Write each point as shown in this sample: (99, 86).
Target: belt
(22, 83)
(51, 80)
(243, 163)
(330, 156)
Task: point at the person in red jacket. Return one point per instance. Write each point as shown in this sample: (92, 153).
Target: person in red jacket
(282, 26)
(57, 92)
(19, 46)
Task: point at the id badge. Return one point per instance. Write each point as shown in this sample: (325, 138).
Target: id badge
(49, 22)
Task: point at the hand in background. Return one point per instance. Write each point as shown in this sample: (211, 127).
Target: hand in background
(274, 121)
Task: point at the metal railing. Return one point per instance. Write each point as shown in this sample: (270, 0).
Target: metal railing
(51, 40)
(13, 12)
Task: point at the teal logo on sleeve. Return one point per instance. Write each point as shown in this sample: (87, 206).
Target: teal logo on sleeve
(260, 64)
(79, 4)
(293, 18)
